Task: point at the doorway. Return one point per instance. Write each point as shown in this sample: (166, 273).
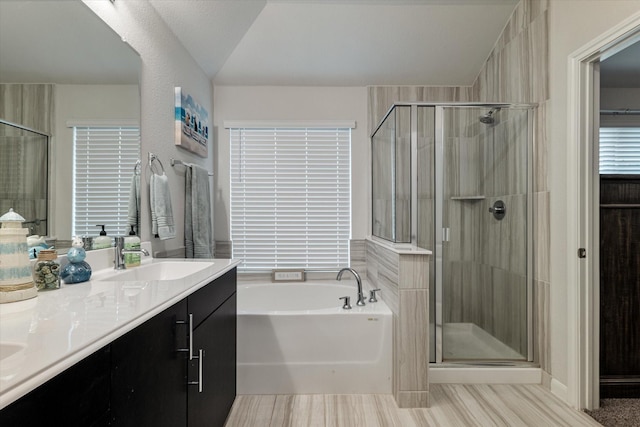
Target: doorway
(583, 270)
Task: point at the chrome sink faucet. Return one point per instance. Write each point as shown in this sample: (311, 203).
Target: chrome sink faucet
(361, 297)
(120, 251)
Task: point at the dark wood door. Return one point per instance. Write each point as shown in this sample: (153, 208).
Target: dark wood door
(149, 375)
(619, 286)
(216, 337)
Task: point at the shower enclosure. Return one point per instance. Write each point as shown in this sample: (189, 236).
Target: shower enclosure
(24, 171)
(455, 179)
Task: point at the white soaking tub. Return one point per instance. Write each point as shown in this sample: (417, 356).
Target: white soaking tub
(295, 338)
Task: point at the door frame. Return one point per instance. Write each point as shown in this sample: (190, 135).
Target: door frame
(583, 199)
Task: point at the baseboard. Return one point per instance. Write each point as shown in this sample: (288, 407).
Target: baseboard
(559, 390)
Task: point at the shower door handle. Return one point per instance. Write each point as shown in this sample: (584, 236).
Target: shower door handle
(445, 234)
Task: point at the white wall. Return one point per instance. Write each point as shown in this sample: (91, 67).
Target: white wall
(165, 65)
(572, 24)
(293, 103)
(82, 102)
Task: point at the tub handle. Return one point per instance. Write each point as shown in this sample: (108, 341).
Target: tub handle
(347, 303)
(199, 383)
(372, 295)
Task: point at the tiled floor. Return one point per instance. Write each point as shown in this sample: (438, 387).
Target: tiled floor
(451, 405)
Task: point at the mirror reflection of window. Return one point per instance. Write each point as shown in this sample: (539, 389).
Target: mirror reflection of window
(105, 164)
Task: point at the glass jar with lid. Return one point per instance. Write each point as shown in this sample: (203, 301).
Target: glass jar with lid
(46, 270)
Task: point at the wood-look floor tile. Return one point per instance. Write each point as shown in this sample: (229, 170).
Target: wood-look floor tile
(251, 411)
(451, 405)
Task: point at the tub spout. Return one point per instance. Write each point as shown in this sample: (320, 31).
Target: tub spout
(361, 297)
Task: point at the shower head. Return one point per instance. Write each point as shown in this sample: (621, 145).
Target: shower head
(488, 118)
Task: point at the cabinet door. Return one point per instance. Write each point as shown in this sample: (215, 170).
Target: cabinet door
(206, 300)
(148, 373)
(78, 396)
(216, 336)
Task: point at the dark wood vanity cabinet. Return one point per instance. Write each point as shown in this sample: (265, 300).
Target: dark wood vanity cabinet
(145, 377)
(78, 396)
(149, 373)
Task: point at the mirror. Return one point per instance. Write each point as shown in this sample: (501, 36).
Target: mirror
(60, 66)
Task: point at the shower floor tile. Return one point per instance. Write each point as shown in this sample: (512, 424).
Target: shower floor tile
(468, 341)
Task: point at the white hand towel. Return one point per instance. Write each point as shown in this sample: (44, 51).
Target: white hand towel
(162, 224)
(198, 233)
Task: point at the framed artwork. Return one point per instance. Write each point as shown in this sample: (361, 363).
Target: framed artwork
(192, 124)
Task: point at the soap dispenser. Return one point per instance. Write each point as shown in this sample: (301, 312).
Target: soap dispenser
(102, 241)
(132, 242)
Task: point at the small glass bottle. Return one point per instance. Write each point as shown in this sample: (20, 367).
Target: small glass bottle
(46, 270)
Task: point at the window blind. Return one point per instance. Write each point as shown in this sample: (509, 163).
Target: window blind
(620, 150)
(104, 161)
(291, 197)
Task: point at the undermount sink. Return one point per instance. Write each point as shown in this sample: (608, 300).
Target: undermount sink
(163, 270)
(9, 349)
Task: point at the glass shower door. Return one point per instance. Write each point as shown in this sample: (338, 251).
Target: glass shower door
(484, 192)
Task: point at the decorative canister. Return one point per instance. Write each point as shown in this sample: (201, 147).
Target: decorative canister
(16, 281)
(46, 271)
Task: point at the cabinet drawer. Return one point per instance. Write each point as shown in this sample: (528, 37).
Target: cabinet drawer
(206, 300)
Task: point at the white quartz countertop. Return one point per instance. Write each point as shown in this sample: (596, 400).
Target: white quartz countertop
(43, 336)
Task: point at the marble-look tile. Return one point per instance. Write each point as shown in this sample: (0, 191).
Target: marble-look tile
(357, 253)
(251, 411)
(541, 325)
(299, 410)
(382, 97)
(413, 399)
(450, 405)
(541, 240)
(223, 249)
(413, 343)
(415, 269)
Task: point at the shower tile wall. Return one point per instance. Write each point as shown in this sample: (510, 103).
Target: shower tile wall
(485, 268)
(517, 70)
(32, 106)
(404, 284)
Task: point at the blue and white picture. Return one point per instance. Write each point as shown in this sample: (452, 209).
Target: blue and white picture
(192, 124)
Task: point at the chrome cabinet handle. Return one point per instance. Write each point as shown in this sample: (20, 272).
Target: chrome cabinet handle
(372, 295)
(190, 349)
(200, 382)
(347, 303)
(182, 350)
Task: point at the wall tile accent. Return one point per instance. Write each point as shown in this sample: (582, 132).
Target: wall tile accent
(382, 97)
(403, 281)
(223, 249)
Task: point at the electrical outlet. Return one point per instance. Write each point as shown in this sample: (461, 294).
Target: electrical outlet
(287, 275)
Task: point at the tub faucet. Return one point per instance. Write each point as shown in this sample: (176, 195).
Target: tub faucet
(120, 251)
(361, 297)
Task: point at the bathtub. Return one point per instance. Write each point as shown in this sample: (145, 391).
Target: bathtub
(295, 338)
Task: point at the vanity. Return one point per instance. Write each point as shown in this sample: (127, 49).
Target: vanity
(121, 350)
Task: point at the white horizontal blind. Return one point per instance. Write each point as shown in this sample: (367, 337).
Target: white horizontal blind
(291, 197)
(620, 150)
(104, 162)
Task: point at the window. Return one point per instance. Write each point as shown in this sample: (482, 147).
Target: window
(620, 150)
(291, 197)
(104, 160)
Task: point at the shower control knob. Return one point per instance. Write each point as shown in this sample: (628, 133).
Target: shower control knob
(499, 210)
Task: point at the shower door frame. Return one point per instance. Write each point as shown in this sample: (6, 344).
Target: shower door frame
(439, 133)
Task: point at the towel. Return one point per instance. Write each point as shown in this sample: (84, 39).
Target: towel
(162, 225)
(198, 233)
(133, 216)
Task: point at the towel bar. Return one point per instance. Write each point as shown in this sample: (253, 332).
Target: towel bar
(175, 162)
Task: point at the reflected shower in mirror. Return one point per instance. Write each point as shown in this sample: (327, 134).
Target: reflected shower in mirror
(63, 68)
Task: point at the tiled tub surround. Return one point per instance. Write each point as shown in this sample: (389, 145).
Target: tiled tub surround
(61, 327)
(402, 273)
(295, 338)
